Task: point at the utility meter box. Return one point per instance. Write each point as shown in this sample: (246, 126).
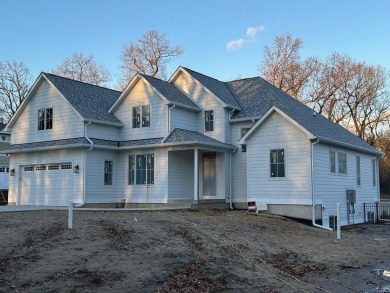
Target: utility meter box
(351, 196)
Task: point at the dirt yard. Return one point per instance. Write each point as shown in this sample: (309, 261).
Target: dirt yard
(187, 251)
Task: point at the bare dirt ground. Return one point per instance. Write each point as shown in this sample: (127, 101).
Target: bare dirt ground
(187, 251)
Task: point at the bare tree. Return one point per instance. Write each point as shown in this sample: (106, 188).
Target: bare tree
(83, 68)
(15, 82)
(148, 56)
(282, 66)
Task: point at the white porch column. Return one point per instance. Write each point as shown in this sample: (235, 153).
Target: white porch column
(196, 172)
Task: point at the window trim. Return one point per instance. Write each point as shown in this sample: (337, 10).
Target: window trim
(284, 164)
(374, 180)
(149, 170)
(358, 171)
(48, 119)
(139, 110)
(242, 128)
(346, 163)
(109, 173)
(330, 161)
(209, 125)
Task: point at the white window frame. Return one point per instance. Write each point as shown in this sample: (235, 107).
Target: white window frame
(284, 163)
(374, 172)
(142, 120)
(330, 161)
(47, 120)
(109, 172)
(358, 171)
(150, 169)
(210, 122)
(339, 162)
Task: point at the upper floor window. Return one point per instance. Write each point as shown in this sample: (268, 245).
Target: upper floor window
(277, 163)
(373, 172)
(141, 169)
(342, 163)
(209, 120)
(358, 180)
(108, 172)
(332, 160)
(45, 119)
(141, 116)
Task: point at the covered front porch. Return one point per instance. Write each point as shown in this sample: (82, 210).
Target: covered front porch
(198, 175)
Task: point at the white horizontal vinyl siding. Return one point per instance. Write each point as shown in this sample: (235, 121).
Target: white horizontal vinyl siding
(154, 193)
(186, 119)
(330, 188)
(207, 102)
(181, 175)
(141, 95)
(102, 131)
(96, 191)
(62, 156)
(278, 133)
(66, 123)
(239, 164)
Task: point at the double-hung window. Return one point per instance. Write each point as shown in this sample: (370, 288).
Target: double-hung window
(108, 172)
(209, 120)
(45, 119)
(141, 169)
(358, 179)
(141, 116)
(277, 166)
(332, 161)
(373, 172)
(342, 163)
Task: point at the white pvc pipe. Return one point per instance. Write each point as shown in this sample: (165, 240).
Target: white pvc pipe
(70, 215)
(338, 222)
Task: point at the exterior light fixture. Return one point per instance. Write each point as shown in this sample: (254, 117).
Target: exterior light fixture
(12, 172)
(76, 169)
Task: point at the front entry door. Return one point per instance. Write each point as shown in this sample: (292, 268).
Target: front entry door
(209, 174)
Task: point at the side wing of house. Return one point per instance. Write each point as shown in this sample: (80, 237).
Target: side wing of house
(279, 164)
(339, 169)
(213, 120)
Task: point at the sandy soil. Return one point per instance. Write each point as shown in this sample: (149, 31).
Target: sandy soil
(187, 251)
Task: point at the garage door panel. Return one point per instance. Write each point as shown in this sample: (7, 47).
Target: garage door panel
(49, 185)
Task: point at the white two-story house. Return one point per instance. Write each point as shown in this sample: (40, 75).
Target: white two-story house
(192, 139)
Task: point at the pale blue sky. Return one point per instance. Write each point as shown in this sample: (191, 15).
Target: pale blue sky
(42, 33)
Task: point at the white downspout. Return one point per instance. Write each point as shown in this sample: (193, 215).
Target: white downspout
(85, 165)
(313, 189)
(231, 183)
(169, 124)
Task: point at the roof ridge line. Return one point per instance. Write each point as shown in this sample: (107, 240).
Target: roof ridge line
(83, 82)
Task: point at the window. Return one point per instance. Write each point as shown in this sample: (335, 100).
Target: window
(141, 116)
(277, 163)
(29, 168)
(358, 171)
(107, 172)
(332, 160)
(2, 169)
(40, 168)
(373, 173)
(244, 131)
(66, 166)
(342, 163)
(141, 169)
(53, 167)
(209, 120)
(45, 119)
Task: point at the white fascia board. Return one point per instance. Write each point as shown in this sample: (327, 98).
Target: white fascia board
(48, 148)
(244, 119)
(125, 92)
(349, 146)
(265, 117)
(180, 105)
(173, 144)
(206, 89)
(25, 101)
(103, 122)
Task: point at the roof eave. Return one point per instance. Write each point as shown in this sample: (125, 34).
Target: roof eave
(47, 148)
(117, 124)
(350, 146)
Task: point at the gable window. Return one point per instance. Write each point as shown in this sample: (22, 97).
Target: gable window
(277, 165)
(373, 173)
(141, 169)
(141, 116)
(45, 119)
(342, 163)
(209, 120)
(107, 172)
(332, 161)
(358, 180)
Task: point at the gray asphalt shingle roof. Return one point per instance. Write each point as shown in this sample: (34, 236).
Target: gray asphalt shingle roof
(169, 91)
(218, 88)
(91, 101)
(44, 144)
(257, 96)
(184, 135)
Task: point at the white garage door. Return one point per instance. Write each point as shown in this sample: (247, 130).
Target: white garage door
(47, 185)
